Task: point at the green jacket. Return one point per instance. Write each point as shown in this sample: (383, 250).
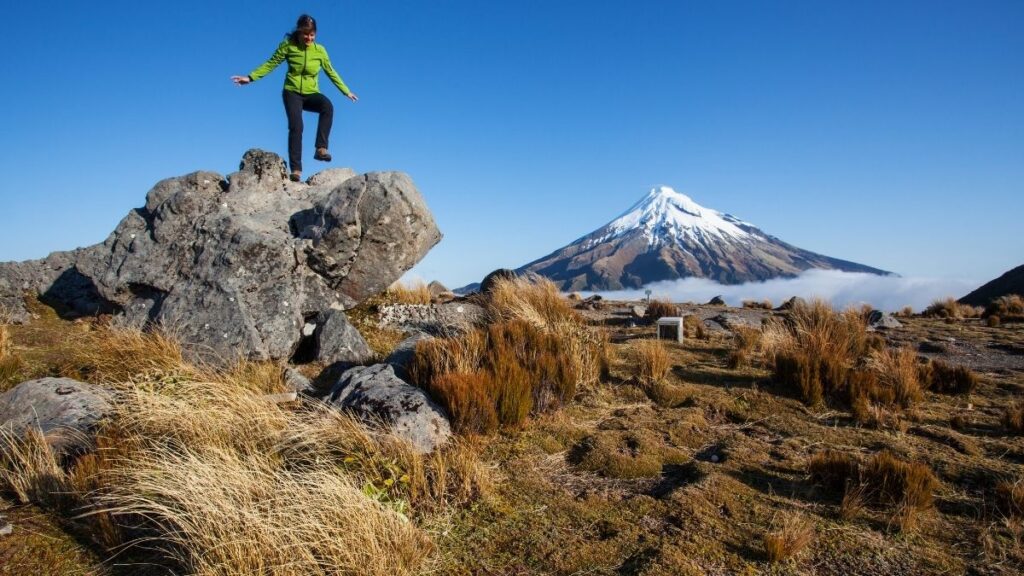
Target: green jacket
(304, 64)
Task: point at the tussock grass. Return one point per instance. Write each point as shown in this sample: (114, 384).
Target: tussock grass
(220, 512)
(885, 481)
(896, 376)
(1008, 307)
(1013, 418)
(1010, 497)
(415, 293)
(950, 308)
(823, 346)
(942, 377)
(10, 363)
(528, 360)
(231, 483)
(650, 362)
(694, 327)
(747, 341)
(789, 538)
(754, 304)
(659, 309)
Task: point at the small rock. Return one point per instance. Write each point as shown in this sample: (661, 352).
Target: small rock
(716, 301)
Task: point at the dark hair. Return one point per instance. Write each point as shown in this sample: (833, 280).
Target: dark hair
(304, 24)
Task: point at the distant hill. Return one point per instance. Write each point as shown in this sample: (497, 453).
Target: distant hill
(666, 236)
(1011, 282)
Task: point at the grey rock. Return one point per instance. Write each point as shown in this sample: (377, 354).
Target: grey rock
(791, 303)
(878, 319)
(716, 301)
(66, 411)
(487, 284)
(6, 528)
(437, 289)
(234, 267)
(374, 392)
(401, 357)
(638, 312)
(337, 340)
(294, 381)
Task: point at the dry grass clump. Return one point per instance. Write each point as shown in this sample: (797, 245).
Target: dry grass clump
(942, 377)
(229, 482)
(660, 309)
(754, 304)
(897, 377)
(884, 481)
(1010, 497)
(790, 538)
(415, 293)
(529, 360)
(693, 326)
(993, 321)
(950, 308)
(1008, 307)
(747, 340)
(1013, 418)
(10, 363)
(823, 346)
(650, 362)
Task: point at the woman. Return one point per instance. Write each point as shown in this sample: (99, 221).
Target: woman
(305, 59)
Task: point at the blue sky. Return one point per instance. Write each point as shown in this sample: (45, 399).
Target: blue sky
(889, 133)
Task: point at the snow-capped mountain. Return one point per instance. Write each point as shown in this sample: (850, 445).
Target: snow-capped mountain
(666, 235)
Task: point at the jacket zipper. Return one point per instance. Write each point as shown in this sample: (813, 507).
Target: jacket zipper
(302, 76)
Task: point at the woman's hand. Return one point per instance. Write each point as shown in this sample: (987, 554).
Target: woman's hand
(241, 80)
(352, 96)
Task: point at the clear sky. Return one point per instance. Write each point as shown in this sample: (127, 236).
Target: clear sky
(889, 132)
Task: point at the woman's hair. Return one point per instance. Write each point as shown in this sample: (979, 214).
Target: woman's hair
(303, 25)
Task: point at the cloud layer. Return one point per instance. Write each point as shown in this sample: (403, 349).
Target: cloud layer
(842, 289)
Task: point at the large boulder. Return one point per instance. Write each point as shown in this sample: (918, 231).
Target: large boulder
(239, 266)
(337, 340)
(374, 392)
(66, 411)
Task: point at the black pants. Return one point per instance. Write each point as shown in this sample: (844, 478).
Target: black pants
(294, 104)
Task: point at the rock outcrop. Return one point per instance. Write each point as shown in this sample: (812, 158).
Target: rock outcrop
(243, 265)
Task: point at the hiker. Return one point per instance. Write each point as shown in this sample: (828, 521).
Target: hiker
(305, 59)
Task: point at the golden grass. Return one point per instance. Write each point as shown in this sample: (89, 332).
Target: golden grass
(415, 293)
(531, 358)
(233, 483)
(650, 362)
(950, 308)
(896, 376)
(220, 512)
(659, 309)
(790, 538)
(1008, 307)
(762, 305)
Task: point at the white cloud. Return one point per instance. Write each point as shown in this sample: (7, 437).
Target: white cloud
(840, 288)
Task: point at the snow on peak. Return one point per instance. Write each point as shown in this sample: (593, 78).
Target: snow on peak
(664, 214)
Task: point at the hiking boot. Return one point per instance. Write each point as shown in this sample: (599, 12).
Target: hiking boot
(322, 154)
(295, 176)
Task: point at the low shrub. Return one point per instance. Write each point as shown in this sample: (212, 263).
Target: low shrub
(950, 379)
(789, 539)
(897, 377)
(992, 321)
(754, 304)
